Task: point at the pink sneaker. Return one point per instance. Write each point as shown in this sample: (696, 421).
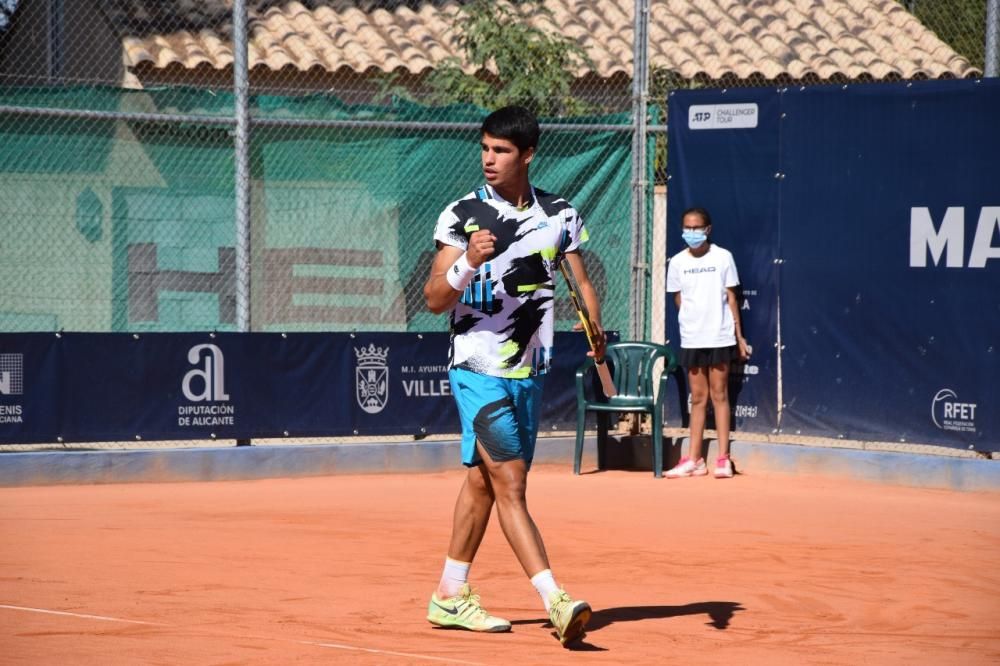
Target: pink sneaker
(688, 467)
(724, 468)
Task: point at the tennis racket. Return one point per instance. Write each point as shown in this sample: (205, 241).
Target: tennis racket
(588, 328)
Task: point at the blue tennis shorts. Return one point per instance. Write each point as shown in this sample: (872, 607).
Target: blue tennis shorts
(501, 413)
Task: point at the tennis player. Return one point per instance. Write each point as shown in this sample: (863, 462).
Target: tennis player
(494, 273)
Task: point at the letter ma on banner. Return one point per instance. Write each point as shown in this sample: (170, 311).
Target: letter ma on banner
(371, 376)
(945, 243)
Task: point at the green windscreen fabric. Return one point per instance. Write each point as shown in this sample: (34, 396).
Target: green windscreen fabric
(124, 225)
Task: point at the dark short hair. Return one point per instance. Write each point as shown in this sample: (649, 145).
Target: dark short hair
(514, 123)
(700, 212)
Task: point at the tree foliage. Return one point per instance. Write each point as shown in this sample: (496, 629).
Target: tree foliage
(516, 63)
(959, 23)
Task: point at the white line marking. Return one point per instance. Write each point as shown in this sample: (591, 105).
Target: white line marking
(338, 646)
(103, 618)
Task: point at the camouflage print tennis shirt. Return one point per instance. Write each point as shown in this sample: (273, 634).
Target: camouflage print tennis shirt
(503, 322)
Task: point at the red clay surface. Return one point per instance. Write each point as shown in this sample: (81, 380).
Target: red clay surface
(762, 569)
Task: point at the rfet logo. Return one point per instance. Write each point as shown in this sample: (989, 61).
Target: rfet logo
(948, 413)
(210, 375)
(372, 378)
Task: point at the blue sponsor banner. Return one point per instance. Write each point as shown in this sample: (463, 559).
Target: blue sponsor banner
(888, 247)
(724, 157)
(79, 387)
(25, 410)
(891, 281)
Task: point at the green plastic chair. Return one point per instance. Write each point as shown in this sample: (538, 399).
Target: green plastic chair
(632, 369)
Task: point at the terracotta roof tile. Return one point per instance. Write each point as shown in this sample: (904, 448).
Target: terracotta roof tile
(695, 38)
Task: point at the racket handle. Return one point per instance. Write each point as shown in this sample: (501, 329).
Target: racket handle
(606, 382)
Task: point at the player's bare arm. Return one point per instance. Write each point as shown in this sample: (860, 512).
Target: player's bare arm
(734, 307)
(440, 294)
(589, 295)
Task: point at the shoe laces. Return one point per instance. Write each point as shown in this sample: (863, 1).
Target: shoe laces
(560, 602)
(470, 603)
(683, 464)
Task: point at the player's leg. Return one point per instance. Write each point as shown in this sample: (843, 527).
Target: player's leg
(509, 479)
(698, 383)
(718, 378)
(694, 464)
(454, 604)
(505, 426)
(472, 515)
(506, 435)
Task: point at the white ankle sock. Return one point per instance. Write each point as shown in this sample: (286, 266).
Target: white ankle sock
(454, 576)
(545, 583)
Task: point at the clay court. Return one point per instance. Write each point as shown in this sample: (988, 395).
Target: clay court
(763, 569)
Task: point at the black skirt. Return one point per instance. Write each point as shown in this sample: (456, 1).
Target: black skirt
(698, 358)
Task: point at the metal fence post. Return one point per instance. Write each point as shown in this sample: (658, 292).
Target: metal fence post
(241, 87)
(242, 162)
(992, 55)
(640, 91)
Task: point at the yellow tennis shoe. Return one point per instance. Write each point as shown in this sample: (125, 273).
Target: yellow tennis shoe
(568, 617)
(463, 611)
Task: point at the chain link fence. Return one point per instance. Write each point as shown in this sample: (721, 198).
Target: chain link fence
(963, 25)
(123, 192)
(119, 179)
(964, 33)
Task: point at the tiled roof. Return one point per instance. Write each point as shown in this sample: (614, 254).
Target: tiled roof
(694, 38)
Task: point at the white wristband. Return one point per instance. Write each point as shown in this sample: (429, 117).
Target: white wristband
(460, 274)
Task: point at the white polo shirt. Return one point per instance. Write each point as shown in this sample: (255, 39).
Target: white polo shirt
(705, 318)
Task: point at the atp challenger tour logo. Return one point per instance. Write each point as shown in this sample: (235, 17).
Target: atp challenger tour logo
(950, 414)
(372, 378)
(722, 116)
(205, 383)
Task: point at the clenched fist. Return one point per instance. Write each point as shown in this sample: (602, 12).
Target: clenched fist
(480, 247)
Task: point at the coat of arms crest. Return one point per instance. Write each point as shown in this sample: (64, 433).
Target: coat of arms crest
(372, 378)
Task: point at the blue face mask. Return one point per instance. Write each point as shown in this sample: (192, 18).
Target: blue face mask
(694, 238)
